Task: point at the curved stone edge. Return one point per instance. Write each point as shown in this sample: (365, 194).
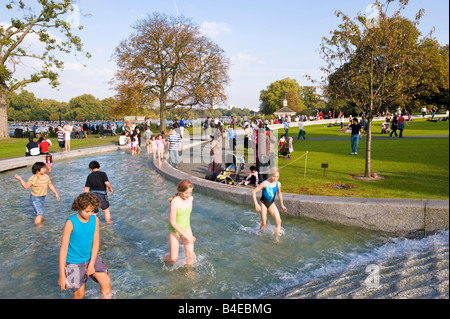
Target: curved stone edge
(397, 216)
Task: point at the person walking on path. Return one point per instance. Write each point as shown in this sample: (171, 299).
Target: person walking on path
(39, 183)
(174, 146)
(301, 132)
(206, 126)
(401, 125)
(286, 127)
(182, 125)
(147, 136)
(78, 255)
(96, 183)
(354, 140)
(394, 125)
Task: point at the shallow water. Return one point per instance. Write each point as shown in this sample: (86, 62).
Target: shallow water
(233, 259)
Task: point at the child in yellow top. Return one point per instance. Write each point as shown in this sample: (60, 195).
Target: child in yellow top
(38, 183)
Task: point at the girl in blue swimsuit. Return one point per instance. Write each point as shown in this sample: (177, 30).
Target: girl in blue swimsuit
(270, 188)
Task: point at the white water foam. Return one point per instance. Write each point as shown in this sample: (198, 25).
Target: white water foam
(395, 248)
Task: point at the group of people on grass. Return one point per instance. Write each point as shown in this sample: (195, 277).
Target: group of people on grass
(41, 147)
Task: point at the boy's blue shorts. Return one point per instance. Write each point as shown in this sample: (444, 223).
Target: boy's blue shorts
(38, 204)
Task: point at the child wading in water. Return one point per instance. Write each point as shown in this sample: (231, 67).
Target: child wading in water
(38, 183)
(270, 188)
(78, 256)
(179, 224)
(49, 162)
(160, 144)
(96, 183)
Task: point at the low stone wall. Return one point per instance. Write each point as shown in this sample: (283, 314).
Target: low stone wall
(398, 216)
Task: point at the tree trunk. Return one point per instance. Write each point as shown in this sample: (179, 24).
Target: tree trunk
(162, 114)
(368, 148)
(4, 111)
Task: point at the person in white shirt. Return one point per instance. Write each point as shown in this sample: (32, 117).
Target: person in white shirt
(424, 111)
(301, 132)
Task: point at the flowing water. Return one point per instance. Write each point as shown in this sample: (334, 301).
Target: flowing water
(233, 259)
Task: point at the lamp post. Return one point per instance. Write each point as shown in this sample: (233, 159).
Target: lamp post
(59, 113)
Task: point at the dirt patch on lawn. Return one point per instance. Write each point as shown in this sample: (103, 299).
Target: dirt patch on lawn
(373, 178)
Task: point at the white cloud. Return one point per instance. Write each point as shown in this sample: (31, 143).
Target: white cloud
(214, 29)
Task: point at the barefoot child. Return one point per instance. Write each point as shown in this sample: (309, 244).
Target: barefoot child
(160, 144)
(78, 256)
(179, 224)
(153, 146)
(96, 183)
(49, 162)
(270, 188)
(39, 183)
(252, 178)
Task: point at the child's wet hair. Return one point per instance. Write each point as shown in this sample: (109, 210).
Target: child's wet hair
(84, 200)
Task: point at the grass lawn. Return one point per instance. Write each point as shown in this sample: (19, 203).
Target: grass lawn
(15, 147)
(414, 167)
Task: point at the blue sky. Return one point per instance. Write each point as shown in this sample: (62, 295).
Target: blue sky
(265, 40)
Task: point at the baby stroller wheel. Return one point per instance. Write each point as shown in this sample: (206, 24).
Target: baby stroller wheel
(229, 181)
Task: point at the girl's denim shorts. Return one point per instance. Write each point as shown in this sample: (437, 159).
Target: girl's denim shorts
(38, 204)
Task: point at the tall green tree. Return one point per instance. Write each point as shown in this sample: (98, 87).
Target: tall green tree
(169, 61)
(377, 63)
(35, 21)
(272, 98)
(85, 107)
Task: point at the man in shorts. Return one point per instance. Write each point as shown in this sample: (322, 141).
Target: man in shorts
(96, 183)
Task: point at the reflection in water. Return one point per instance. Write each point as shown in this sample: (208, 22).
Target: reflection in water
(233, 258)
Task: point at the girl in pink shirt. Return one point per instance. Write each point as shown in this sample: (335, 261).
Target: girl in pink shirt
(160, 144)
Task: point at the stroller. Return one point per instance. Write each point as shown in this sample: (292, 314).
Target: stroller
(385, 128)
(233, 168)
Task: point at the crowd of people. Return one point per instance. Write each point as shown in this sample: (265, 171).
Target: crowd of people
(78, 129)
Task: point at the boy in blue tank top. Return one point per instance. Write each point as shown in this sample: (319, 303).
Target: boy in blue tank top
(78, 256)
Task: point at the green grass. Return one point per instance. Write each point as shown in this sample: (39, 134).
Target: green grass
(415, 167)
(15, 147)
